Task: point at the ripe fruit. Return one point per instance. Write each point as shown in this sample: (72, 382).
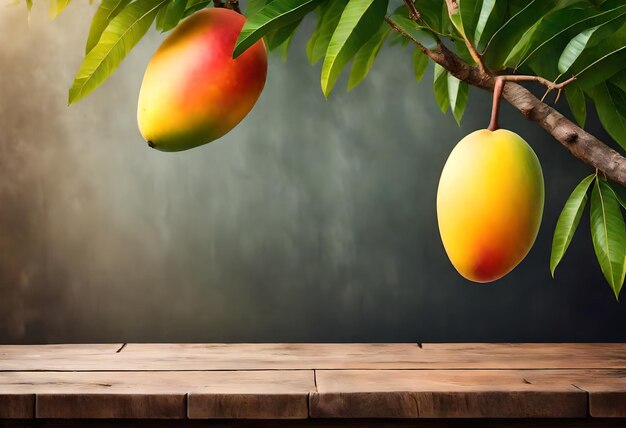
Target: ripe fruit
(489, 203)
(194, 91)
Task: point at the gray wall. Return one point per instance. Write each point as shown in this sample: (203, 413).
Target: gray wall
(313, 220)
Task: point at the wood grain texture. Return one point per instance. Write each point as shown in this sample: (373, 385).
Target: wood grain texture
(317, 423)
(444, 394)
(313, 356)
(163, 394)
(56, 357)
(16, 406)
(276, 381)
(607, 393)
(248, 406)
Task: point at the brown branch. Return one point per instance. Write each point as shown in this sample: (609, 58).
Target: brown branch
(547, 83)
(229, 4)
(580, 143)
(413, 12)
(233, 5)
(397, 28)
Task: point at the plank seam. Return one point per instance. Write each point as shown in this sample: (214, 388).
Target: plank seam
(588, 398)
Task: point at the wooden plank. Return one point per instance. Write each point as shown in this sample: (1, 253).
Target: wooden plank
(319, 423)
(54, 357)
(445, 394)
(317, 356)
(163, 395)
(126, 405)
(606, 388)
(17, 406)
(248, 406)
(607, 394)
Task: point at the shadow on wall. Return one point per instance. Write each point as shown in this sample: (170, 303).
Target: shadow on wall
(311, 221)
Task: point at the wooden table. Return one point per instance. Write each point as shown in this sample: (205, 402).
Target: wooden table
(313, 385)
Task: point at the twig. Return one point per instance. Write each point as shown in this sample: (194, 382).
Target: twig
(234, 5)
(408, 36)
(547, 83)
(230, 4)
(478, 58)
(413, 12)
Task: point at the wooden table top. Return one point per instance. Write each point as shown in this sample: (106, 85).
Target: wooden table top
(313, 381)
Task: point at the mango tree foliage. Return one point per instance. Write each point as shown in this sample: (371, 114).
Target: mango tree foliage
(554, 39)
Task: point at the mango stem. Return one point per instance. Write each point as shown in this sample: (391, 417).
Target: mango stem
(495, 107)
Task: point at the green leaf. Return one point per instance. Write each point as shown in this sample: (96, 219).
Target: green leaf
(107, 10)
(522, 46)
(486, 9)
(272, 16)
(608, 234)
(440, 87)
(169, 17)
(610, 102)
(120, 36)
(619, 195)
(422, 33)
(619, 80)
(551, 36)
(365, 57)
(577, 104)
(195, 5)
(587, 39)
(358, 22)
(282, 37)
(56, 7)
(254, 6)
(457, 95)
(597, 64)
(568, 222)
(420, 63)
(29, 6)
(503, 41)
(329, 12)
(469, 11)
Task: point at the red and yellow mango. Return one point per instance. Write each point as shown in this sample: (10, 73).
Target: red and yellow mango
(193, 91)
(490, 203)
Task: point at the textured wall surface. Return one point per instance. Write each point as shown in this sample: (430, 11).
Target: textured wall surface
(313, 220)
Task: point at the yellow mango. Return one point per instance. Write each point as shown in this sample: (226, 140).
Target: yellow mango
(490, 203)
(193, 91)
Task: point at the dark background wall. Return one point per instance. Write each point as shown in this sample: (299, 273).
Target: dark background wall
(313, 220)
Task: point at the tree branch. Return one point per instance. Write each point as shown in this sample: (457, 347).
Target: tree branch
(580, 143)
(229, 4)
(413, 12)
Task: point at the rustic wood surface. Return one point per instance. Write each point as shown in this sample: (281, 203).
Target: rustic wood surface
(314, 384)
(133, 357)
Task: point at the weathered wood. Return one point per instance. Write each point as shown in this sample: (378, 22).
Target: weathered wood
(55, 357)
(16, 406)
(247, 406)
(607, 394)
(444, 394)
(319, 423)
(222, 394)
(127, 405)
(258, 381)
(320, 356)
